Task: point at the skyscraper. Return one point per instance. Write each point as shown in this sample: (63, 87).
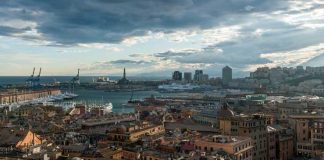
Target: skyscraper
(177, 76)
(226, 75)
(198, 75)
(187, 77)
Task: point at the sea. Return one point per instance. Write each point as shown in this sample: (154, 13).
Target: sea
(91, 96)
(12, 80)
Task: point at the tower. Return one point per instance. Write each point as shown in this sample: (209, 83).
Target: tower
(124, 80)
(124, 75)
(226, 75)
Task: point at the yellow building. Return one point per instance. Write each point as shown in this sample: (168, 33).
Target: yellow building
(239, 147)
(131, 132)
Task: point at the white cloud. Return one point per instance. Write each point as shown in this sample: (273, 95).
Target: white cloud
(290, 58)
(103, 46)
(220, 34)
(17, 23)
(303, 13)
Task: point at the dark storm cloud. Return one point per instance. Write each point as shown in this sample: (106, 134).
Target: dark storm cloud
(82, 21)
(7, 31)
(119, 63)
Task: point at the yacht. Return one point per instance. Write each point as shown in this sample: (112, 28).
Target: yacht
(107, 107)
(69, 95)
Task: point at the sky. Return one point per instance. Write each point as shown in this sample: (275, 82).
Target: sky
(156, 37)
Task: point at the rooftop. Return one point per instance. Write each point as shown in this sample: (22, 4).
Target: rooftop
(224, 139)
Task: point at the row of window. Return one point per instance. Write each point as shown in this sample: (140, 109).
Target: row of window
(242, 146)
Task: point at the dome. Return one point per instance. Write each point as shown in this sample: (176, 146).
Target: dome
(121, 129)
(225, 111)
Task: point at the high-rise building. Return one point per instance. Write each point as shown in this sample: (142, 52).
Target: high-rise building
(177, 76)
(198, 75)
(227, 75)
(187, 76)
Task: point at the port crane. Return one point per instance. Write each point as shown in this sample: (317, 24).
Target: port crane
(37, 78)
(29, 80)
(32, 80)
(75, 80)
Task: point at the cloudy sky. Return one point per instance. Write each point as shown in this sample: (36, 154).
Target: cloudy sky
(155, 37)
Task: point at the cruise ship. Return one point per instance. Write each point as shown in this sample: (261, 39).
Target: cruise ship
(177, 87)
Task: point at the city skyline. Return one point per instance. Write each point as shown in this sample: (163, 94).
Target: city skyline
(157, 37)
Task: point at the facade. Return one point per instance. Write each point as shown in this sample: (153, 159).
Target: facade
(271, 143)
(309, 138)
(254, 126)
(290, 108)
(285, 147)
(123, 134)
(187, 76)
(236, 146)
(177, 76)
(14, 97)
(226, 75)
(208, 117)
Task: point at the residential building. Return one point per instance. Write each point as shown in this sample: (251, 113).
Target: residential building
(309, 129)
(127, 133)
(254, 126)
(239, 147)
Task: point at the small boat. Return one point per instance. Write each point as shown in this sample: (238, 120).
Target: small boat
(132, 102)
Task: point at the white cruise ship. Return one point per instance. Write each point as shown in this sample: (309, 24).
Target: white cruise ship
(177, 87)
